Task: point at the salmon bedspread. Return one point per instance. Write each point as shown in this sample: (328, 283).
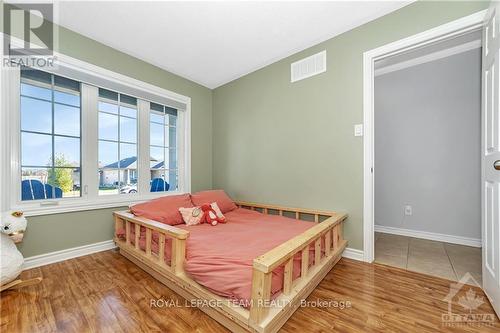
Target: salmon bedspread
(220, 258)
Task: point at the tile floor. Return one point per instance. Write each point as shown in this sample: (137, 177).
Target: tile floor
(449, 261)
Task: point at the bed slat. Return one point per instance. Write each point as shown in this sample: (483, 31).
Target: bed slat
(161, 249)
(288, 277)
(335, 238)
(148, 241)
(304, 262)
(137, 236)
(317, 251)
(328, 242)
(127, 232)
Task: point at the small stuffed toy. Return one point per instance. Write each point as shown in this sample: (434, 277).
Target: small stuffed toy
(12, 226)
(218, 212)
(212, 216)
(199, 215)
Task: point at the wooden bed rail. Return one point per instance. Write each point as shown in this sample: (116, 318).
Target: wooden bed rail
(327, 240)
(281, 209)
(124, 220)
(277, 256)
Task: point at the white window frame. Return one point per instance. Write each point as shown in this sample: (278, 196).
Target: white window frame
(10, 165)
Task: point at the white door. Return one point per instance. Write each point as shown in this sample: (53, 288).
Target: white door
(490, 158)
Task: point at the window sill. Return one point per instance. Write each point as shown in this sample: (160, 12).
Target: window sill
(48, 207)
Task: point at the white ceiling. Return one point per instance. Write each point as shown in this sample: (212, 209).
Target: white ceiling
(213, 43)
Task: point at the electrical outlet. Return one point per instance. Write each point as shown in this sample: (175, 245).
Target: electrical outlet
(408, 210)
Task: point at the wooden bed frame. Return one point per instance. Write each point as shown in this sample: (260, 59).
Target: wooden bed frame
(263, 315)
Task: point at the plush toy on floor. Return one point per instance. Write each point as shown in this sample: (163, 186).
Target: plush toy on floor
(12, 226)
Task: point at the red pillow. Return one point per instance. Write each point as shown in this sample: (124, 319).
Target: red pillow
(224, 202)
(164, 209)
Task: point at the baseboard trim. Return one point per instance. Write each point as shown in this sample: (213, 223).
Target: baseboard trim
(56, 256)
(354, 254)
(430, 236)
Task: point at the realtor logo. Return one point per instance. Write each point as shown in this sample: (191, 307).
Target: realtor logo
(29, 35)
(468, 313)
(31, 23)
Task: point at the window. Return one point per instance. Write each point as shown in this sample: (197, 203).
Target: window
(82, 137)
(117, 143)
(50, 136)
(163, 148)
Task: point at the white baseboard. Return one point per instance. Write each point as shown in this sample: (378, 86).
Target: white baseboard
(430, 236)
(52, 257)
(353, 254)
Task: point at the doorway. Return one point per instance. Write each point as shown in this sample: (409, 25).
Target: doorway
(431, 37)
(489, 22)
(427, 150)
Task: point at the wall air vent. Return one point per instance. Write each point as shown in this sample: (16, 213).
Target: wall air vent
(308, 67)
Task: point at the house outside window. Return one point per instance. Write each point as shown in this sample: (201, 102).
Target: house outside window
(117, 143)
(163, 148)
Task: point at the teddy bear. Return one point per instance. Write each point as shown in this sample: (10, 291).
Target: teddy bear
(211, 216)
(12, 226)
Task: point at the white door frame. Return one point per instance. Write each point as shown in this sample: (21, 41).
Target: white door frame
(457, 27)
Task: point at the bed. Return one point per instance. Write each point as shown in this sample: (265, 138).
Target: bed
(249, 274)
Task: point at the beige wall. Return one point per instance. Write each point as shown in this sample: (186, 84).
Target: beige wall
(293, 144)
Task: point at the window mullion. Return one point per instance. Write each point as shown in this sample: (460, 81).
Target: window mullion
(90, 160)
(53, 170)
(120, 171)
(181, 166)
(11, 138)
(143, 153)
(165, 149)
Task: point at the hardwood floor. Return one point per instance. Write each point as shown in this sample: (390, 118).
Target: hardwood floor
(105, 292)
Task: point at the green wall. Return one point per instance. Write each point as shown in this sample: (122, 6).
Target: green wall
(260, 137)
(56, 232)
(292, 143)
(61, 231)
